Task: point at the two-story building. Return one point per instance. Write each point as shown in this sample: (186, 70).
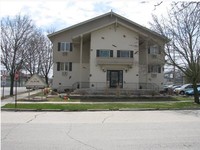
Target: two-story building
(107, 51)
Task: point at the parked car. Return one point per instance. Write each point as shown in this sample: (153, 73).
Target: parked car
(184, 88)
(176, 86)
(191, 92)
(167, 88)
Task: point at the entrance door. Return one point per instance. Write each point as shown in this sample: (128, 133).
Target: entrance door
(116, 78)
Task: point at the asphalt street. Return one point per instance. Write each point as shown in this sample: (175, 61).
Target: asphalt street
(103, 130)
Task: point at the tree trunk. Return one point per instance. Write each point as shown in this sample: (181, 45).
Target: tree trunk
(47, 80)
(11, 84)
(196, 94)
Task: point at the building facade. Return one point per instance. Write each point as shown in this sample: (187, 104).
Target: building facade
(108, 51)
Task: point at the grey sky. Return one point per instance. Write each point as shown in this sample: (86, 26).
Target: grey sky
(64, 13)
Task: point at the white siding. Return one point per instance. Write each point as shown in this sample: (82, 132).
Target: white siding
(61, 81)
(114, 38)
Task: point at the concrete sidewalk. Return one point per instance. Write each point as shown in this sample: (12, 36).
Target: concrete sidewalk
(19, 96)
(71, 102)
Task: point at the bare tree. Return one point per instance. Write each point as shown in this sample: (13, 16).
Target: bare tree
(47, 55)
(182, 26)
(32, 61)
(46, 58)
(39, 53)
(15, 32)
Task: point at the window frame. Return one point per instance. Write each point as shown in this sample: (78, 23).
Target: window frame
(64, 66)
(154, 49)
(130, 53)
(154, 69)
(65, 46)
(99, 51)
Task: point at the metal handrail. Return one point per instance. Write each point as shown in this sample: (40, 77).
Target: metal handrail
(103, 85)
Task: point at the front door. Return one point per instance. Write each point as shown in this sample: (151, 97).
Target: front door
(116, 78)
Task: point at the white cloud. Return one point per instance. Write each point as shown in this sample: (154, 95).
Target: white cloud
(63, 13)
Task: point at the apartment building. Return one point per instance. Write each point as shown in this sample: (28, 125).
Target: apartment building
(107, 51)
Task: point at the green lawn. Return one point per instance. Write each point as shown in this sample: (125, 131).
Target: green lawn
(175, 102)
(58, 98)
(110, 106)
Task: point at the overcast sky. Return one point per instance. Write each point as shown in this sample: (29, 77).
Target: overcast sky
(60, 14)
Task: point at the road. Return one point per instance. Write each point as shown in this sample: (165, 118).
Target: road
(7, 90)
(103, 130)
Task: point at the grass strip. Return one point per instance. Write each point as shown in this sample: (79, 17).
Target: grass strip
(110, 106)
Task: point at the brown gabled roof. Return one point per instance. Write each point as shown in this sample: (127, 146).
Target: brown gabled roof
(142, 28)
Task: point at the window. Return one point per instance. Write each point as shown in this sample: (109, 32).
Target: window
(104, 53)
(125, 53)
(64, 46)
(155, 49)
(64, 66)
(154, 69)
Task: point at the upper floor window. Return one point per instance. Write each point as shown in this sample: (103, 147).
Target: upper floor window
(64, 46)
(64, 66)
(154, 49)
(104, 53)
(154, 69)
(125, 53)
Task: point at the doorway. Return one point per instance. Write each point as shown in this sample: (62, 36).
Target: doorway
(115, 77)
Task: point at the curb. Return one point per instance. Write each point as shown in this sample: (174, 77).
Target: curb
(98, 110)
(17, 109)
(138, 109)
(123, 109)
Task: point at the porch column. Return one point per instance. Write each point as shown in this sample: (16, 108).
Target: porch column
(80, 67)
(147, 62)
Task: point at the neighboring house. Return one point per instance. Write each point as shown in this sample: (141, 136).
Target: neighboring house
(107, 51)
